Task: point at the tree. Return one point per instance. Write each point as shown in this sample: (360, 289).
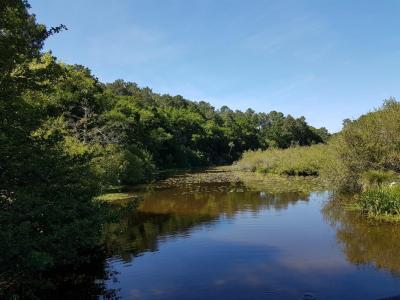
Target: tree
(47, 217)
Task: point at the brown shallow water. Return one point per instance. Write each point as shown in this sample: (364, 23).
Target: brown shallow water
(215, 235)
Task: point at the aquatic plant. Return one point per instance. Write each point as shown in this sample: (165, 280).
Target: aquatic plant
(382, 201)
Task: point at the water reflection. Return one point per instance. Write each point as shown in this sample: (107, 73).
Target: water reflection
(217, 235)
(214, 235)
(168, 212)
(364, 241)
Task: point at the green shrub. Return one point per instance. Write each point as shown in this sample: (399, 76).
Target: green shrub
(137, 166)
(382, 201)
(372, 142)
(107, 165)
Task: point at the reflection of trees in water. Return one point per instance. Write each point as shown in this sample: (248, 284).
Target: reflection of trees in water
(86, 281)
(283, 200)
(171, 213)
(215, 204)
(139, 232)
(365, 241)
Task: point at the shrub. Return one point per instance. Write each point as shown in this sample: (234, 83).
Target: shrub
(372, 142)
(137, 166)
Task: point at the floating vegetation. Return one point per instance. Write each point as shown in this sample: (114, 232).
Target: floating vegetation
(229, 179)
(279, 184)
(114, 196)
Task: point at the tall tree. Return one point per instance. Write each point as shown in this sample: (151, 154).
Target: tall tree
(47, 218)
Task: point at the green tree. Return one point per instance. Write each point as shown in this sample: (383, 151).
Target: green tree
(47, 217)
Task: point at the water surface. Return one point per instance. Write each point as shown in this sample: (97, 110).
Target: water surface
(212, 236)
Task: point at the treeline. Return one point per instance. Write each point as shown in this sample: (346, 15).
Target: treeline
(131, 131)
(65, 136)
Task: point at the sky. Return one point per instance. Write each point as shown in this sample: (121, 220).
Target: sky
(325, 60)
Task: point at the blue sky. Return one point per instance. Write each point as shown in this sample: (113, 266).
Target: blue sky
(326, 60)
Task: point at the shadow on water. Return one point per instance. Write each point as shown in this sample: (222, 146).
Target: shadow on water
(86, 281)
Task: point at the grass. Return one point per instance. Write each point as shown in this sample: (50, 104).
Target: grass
(296, 161)
(382, 202)
(109, 197)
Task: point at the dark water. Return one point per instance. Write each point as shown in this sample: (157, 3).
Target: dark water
(211, 236)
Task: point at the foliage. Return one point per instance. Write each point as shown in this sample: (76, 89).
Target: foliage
(366, 153)
(181, 133)
(47, 217)
(131, 131)
(381, 201)
(298, 161)
(369, 144)
(375, 178)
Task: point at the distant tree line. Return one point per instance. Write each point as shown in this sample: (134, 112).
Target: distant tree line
(131, 131)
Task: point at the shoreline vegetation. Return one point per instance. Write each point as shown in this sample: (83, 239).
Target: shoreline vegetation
(362, 159)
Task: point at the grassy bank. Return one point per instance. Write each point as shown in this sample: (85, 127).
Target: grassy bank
(381, 203)
(296, 161)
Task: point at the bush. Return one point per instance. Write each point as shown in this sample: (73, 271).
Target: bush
(113, 165)
(50, 220)
(137, 166)
(372, 142)
(383, 201)
(107, 165)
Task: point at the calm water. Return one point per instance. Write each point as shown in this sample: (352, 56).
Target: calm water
(211, 236)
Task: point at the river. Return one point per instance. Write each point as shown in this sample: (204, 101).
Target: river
(211, 235)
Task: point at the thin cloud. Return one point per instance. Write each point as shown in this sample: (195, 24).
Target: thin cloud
(134, 46)
(284, 36)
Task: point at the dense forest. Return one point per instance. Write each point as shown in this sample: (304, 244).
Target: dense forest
(130, 131)
(65, 137)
